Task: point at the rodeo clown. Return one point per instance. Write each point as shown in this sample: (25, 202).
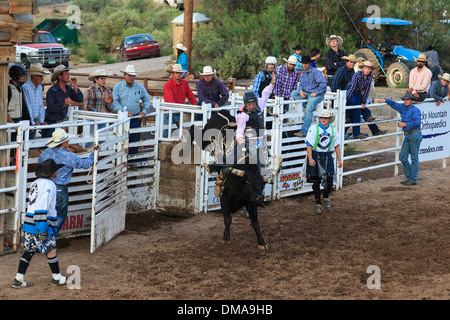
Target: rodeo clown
(39, 225)
(252, 148)
(321, 140)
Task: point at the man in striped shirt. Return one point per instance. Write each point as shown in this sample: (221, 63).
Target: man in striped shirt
(32, 92)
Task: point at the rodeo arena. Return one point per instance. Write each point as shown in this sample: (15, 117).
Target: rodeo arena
(152, 174)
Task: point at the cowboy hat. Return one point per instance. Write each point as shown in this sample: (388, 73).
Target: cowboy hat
(306, 59)
(421, 57)
(130, 69)
(36, 69)
(180, 47)
(408, 95)
(350, 57)
(325, 113)
(207, 70)
(339, 39)
(47, 168)
(97, 73)
(365, 63)
(59, 136)
(58, 70)
(176, 68)
(297, 47)
(445, 76)
(292, 60)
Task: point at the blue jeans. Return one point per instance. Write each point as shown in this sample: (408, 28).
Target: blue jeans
(134, 137)
(62, 205)
(310, 106)
(410, 147)
(175, 116)
(354, 115)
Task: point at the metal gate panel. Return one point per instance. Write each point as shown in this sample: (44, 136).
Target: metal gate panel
(109, 183)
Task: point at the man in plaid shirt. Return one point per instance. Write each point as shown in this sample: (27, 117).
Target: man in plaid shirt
(287, 78)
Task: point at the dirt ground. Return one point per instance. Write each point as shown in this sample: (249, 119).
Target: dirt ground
(377, 222)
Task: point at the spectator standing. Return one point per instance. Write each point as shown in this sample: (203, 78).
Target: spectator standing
(298, 54)
(433, 62)
(334, 55)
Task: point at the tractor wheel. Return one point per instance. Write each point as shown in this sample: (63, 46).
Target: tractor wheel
(397, 74)
(369, 55)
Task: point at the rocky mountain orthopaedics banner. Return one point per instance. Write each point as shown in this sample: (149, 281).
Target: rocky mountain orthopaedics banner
(435, 131)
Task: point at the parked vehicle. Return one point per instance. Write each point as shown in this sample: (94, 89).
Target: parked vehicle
(179, 4)
(138, 46)
(397, 61)
(46, 51)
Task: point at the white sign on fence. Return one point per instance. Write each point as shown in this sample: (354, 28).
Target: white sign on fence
(435, 131)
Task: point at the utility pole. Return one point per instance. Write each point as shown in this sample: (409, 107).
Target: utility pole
(16, 25)
(187, 28)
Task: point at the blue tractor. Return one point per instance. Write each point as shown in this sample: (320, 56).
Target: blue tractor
(396, 60)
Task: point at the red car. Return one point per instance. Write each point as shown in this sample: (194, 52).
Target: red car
(139, 46)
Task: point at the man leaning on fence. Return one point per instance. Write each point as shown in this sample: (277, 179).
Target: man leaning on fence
(410, 123)
(130, 96)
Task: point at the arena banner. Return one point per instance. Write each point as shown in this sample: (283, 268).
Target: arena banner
(435, 131)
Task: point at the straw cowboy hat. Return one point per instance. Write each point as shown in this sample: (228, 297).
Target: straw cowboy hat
(176, 68)
(339, 39)
(350, 57)
(445, 76)
(292, 60)
(326, 114)
(97, 73)
(58, 137)
(130, 69)
(421, 57)
(58, 70)
(180, 47)
(36, 69)
(207, 70)
(366, 63)
(47, 168)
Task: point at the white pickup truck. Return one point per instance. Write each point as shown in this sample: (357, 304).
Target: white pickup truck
(46, 51)
(179, 4)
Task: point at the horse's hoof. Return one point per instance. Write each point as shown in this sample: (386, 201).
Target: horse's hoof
(264, 247)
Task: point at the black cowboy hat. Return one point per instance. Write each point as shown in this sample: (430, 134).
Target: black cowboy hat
(408, 95)
(306, 59)
(297, 47)
(47, 168)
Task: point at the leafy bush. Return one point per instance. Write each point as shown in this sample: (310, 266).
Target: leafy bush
(92, 53)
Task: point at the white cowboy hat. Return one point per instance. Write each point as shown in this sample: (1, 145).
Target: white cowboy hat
(180, 46)
(350, 57)
(445, 76)
(130, 69)
(58, 70)
(421, 57)
(207, 70)
(36, 69)
(292, 60)
(176, 68)
(339, 39)
(59, 136)
(97, 73)
(325, 113)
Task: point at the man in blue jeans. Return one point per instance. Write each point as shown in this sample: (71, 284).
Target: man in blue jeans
(57, 151)
(411, 122)
(312, 86)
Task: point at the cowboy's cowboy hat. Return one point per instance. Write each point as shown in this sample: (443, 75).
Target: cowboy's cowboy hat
(350, 57)
(97, 73)
(58, 70)
(326, 114)
(176, 68)
(47, 168)
(445, 76)
(306, 60)
(180, 47)
(58, 137)
(36, 69)
(130, 69)
(365, 63)
(297, 47)
(338, 38)
(207, 70)
(408, 95)
(421, 57)
(292, 60)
